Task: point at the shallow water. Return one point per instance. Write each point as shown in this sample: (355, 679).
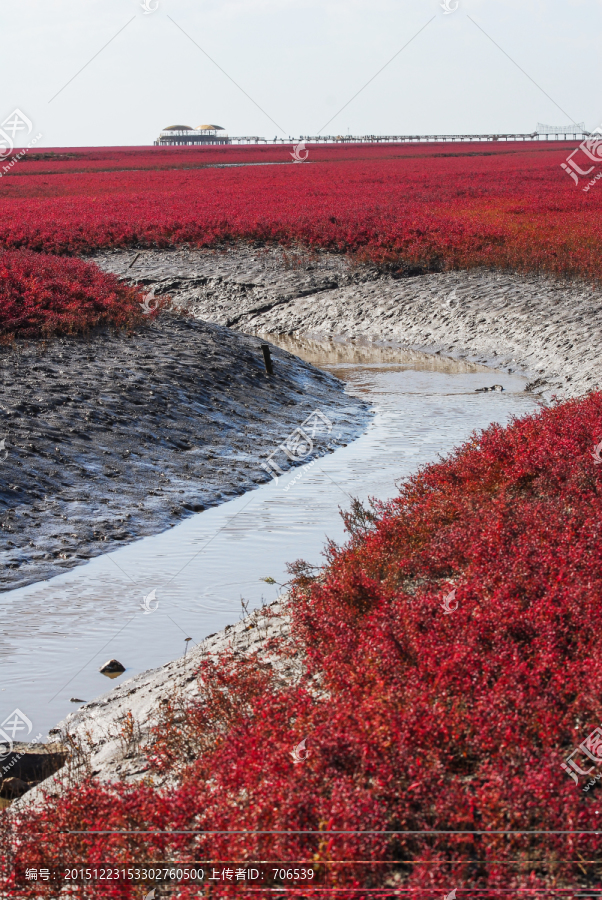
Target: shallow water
(57, 634)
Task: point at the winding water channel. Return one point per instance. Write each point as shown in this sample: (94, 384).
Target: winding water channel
(56, 634)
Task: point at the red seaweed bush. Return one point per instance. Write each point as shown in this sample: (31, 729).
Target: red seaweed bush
(43, 295)
(106, 159)
(414, 208)
(434, 207)
(434, 738)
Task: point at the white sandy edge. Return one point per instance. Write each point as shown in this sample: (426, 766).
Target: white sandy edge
(98, 726)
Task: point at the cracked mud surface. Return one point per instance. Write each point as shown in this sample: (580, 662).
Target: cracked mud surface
(536, 325)
(114, 437)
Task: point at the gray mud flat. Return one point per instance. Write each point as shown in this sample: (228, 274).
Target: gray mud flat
(117, 436)
(545, 328)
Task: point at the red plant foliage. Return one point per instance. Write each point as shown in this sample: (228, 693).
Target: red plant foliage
(417, 721)
(105, 159)
(433, 206)
(42, 295)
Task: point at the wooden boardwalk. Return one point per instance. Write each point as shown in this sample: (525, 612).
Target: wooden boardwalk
(577, 134)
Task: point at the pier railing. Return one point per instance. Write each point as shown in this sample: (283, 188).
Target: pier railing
(416, 138)
(556, 135)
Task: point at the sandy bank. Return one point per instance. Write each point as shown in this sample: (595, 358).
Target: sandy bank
(536, 325)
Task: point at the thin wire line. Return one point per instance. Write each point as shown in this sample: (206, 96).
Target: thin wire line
(108, 555)
(289, 831)
(334, 482)
(521, 69)
(209, 541)
(375, 76)
(161, 587)
(93, 58)
(181, 629)
(342, 862)
(279, 127)
(95, 655)
(134, 616)
(388, 891)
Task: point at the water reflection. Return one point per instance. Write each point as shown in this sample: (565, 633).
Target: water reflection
(199, 573)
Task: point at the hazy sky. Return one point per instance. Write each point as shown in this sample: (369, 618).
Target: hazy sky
(300, 61)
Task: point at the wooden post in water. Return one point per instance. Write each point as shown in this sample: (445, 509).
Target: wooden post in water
(267, 358)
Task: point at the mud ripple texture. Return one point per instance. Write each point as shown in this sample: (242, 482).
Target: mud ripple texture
(539, 326)
(114, 437)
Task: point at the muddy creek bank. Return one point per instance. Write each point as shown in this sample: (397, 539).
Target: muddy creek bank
(544, 328)
(196, 576)
(114, 437)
